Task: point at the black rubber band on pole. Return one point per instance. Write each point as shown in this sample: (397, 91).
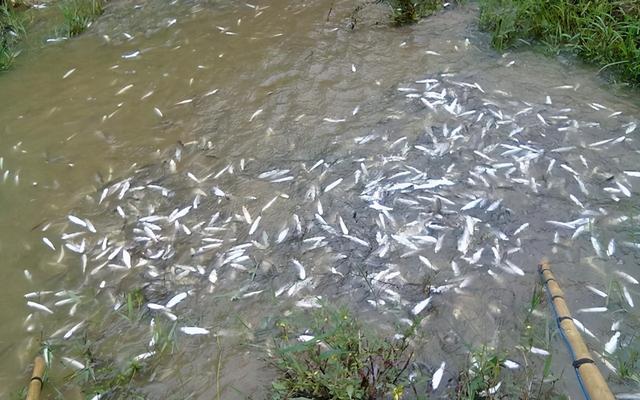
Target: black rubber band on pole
(560, 319)
(544, 269)
(578, 363)
(550, 279)
(37, 378)
(557, 296)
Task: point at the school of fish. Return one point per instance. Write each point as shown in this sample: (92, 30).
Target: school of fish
(368, 223)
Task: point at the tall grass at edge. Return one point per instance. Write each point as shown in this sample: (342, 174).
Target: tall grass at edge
(603, 32)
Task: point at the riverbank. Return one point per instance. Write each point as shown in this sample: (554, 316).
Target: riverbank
(605, 33)
(73, 18)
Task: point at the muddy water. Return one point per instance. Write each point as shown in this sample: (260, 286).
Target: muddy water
(268, 89)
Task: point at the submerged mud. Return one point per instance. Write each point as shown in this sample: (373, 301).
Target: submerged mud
(411, 175)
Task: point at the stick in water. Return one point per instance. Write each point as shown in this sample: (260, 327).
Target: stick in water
(590, 378)
(35, 386)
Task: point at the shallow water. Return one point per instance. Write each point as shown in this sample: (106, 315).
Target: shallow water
(265, 89)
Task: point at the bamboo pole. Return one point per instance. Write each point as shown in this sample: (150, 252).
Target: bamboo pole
(591, 379)
(35, 386)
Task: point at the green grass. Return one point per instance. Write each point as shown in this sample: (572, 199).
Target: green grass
(341, 362)
(79, 14)
(410, 11)
(603, 32)
(134, 305)
(483, 374)
(11, 31)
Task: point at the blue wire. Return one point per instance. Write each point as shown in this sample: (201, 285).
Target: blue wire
(567, 344)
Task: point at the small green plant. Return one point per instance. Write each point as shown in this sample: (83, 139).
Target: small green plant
(11, 31)
(19, 394)
(79, 14)
(410, 11)
(105, 377)
(626, 358)
(627, 361)
(482, 378)
(330, 357)
(134, 302)
(164, 337)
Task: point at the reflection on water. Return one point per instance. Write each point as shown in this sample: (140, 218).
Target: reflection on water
(266, 158)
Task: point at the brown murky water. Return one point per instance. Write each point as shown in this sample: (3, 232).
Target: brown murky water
(150, 75)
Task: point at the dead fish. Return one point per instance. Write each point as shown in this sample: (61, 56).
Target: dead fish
(593, 310)
(539, 351)
(437, 376)
(176, 299)
(465, 240)
(39, 306)
(521, 228)
(68, 73)
(255, 224)
(426, 262)
(627, 296)
(596, 246)
(472, 204)
(417, 309)
(131, 55)
(611, 248)
(332, 185)
(71, 331)
(611, 346)
(334, 120)
(255, 114)
(596, 291)
(73, 363)
(124, 89)
(48, 243)
(627, 277)
(194, 330)
(302, 274)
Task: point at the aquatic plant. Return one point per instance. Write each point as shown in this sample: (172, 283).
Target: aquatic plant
(19, 394)
(333, 358)
(482, 377)
(106, 376)
(134, 305)
(11, 30)
(602, 32)
(79, 14)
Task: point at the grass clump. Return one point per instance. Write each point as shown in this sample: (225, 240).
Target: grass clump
(334, 359)
(11, 30)
(483, 377)
(79, 14)
(602, 32)
(410, 11)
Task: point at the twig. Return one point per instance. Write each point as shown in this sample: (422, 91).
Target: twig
(218, 367)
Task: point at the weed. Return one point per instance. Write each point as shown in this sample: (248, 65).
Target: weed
(482, 377)
(336, 360)
(79, 14)
(602, 32)
(627, 362)
(164, 337)
(19, 394)
(11, 30)
(103, 376)
(410, 11)
(134, 301)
